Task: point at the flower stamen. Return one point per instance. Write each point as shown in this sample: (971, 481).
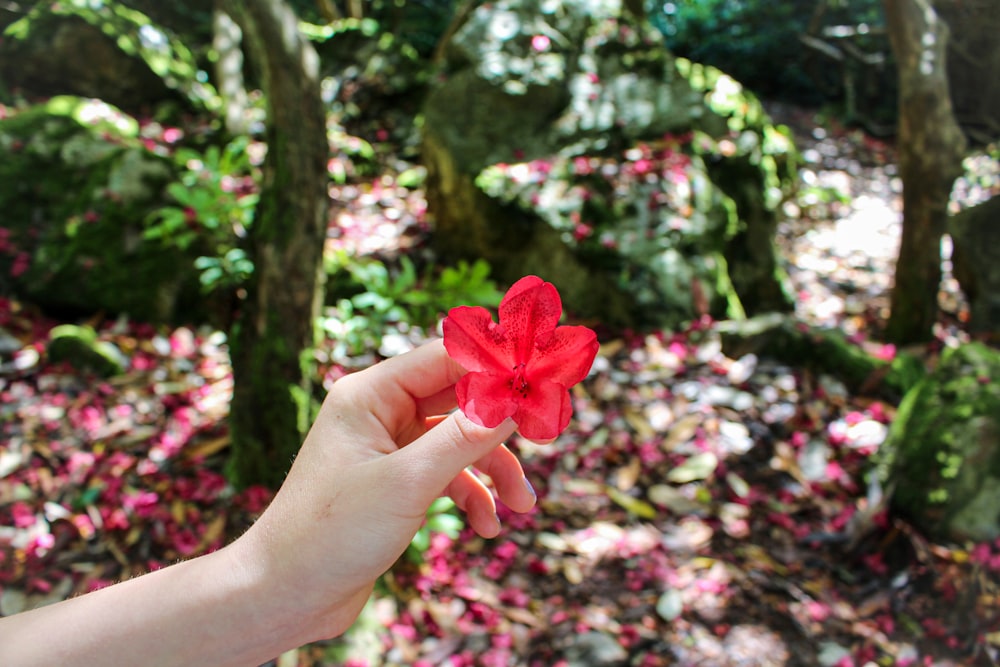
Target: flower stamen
(519, 383)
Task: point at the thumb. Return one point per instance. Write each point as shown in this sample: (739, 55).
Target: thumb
(441, 453)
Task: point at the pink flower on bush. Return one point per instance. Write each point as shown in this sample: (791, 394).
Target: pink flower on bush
(540, 43)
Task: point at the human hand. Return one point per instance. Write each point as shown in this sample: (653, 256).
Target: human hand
(378, 454)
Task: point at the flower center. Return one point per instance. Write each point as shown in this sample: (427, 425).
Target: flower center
(519, 383)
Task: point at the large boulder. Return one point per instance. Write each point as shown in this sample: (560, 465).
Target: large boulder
(943, 450)
(103, 50)
(78, 185)
(564, 139)
(80, 347)
(975, 234)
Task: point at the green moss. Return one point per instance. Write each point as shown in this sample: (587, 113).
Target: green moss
(132, 32)
(271, 408)
(80, 347)
(943, 450)
(78, 185)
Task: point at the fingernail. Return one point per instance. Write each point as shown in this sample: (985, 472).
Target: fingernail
(530, 488)
(499, 526)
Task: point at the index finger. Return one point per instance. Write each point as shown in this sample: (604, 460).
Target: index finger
(404, 390)
(421, 373)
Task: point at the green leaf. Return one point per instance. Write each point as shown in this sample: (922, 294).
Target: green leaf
(449, 524)
(670, 605)
(417, 298)
(185, 240)
(180, 193)
(211, 159)
(89, 496)
(412, 178)
(442, 504)
(640, 508)
(698, 467)
(422, 540)
(235, 255)
(248, 201)
(184, 155)
(210, 276)
(738, 485)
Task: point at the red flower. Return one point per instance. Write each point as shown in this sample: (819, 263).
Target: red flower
(522, 367)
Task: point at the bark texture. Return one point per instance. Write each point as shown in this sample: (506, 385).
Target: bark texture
(931, 148)
(272, 336)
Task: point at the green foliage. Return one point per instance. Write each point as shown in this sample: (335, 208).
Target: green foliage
(941, 455)
(78, 181)
(756, 41)
(321, 33)
(420, 22)
(441, 518)
(136, 35)
(374, 79)
(352, 158)
(750, 137)
(189, 20)
(230, 270)
(384, 299)
(215, 207)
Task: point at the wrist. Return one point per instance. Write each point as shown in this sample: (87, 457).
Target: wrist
(290, 607)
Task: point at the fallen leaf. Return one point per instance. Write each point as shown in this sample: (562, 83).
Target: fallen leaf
(698, 467)
(635, 506)
(674, 500)
(670, 605)
(626, 476)
(683, 430)
(207, 448)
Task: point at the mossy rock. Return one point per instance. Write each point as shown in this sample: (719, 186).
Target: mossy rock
(80, 347)
(942, 456)
(104, 50)
(645, 186)
(78, 185)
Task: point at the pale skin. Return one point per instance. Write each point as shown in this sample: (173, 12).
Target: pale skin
(376, 457)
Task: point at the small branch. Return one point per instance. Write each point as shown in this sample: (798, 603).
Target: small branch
(823, 47)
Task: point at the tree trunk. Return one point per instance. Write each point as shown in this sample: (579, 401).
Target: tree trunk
(274, 332)
(931, 147)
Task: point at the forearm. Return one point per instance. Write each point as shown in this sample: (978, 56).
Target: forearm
(212, 610)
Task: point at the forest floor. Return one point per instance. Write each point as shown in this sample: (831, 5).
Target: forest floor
(700, 509)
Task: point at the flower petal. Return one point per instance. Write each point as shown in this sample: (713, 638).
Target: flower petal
(485, 398)
(544, 413)
(530, 310)
(565, 357)
(476, 342)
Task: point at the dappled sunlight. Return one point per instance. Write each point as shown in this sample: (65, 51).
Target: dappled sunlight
(707, 504)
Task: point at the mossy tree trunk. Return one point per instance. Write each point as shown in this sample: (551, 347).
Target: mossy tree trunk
(274, 331)
(931, 148)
